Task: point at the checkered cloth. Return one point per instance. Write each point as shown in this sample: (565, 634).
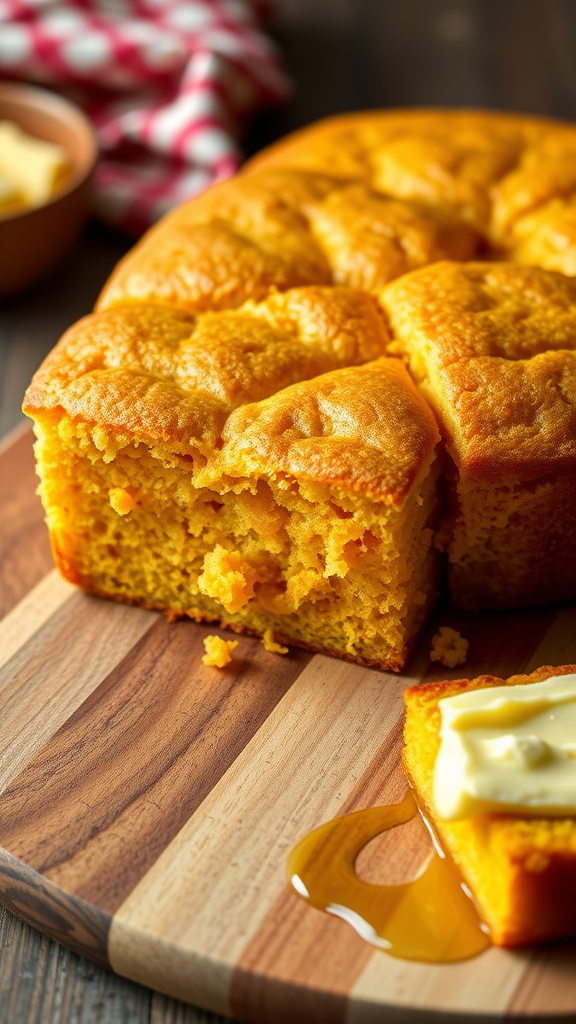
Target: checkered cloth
(167, 84)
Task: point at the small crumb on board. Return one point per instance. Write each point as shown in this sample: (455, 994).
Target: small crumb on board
(448, 647)
(271, 645)
(218, 651)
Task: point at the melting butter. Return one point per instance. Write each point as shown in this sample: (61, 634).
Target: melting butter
(508, 748)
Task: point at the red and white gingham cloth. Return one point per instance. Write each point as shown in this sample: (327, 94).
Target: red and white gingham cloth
(167, 84)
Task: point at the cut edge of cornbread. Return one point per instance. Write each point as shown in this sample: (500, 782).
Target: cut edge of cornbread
(320, 566)
(521, 870)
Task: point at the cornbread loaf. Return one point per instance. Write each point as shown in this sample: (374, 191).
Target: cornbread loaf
(521, 869)
(233, 434)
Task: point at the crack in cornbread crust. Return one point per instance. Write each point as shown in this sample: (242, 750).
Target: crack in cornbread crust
(522, 870)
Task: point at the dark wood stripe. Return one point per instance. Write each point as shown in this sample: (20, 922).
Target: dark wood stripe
(25, 555)
(280, 979)
(42, 904)
(94, 810)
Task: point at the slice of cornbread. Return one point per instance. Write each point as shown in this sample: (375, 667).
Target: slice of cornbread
(521, 870)
(262, 467)
(493, 345)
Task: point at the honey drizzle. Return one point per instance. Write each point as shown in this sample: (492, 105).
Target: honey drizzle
(430, 919)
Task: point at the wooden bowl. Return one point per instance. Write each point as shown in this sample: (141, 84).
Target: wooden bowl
(34, 240)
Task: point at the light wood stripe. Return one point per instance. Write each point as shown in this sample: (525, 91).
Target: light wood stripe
(484, 984)
(45, 681)
(186, 923)
(31, 614)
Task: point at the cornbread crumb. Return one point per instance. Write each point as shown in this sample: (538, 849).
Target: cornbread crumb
(227, 578)
(448, 647)
(271, 645)
(121, 500)
(218, 651)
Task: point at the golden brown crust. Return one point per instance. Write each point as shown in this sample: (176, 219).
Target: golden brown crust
(490, 168)
(547, 237)
(495, 346)
(167, 377)
(369, 239)
(238, 241)
(365, 429)
(278, 230)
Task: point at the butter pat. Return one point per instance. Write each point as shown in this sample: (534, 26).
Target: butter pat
(34, 167)
(508, 748)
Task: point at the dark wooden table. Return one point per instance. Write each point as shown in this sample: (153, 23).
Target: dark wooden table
(343, 55)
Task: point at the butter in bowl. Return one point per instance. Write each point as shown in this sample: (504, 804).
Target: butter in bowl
(48, 153)
(32, 171)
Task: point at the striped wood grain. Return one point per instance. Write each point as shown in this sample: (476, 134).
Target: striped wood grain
(148, 804)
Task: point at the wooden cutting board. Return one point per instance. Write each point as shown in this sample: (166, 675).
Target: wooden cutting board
(148, 803)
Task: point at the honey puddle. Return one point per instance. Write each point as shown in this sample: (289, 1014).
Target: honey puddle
(431, 918)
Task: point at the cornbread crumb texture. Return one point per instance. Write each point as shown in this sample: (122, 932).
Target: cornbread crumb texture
(448, 647)
(522, 870)
(307, 511)
(320, 565)
(218, 651)
(121, 500)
